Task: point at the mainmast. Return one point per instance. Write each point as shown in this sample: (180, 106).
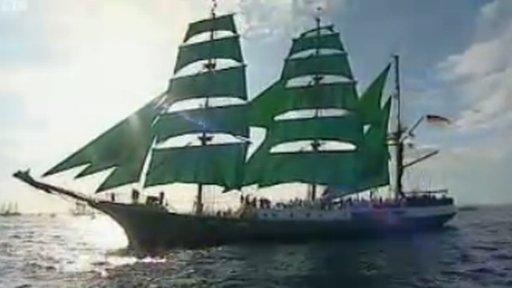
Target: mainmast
(205, 138)
(398, 133)
(277, 163)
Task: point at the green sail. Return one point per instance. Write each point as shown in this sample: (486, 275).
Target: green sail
(209, 164)
(376, 153)
(265, 168)
(326, 64)
(376, 136)
(375, 149)
(325, 168)
(338, 167)
(314, 31)
(227, 119)
(220, 23)
(222, 48)
(124, 147)
(228, 82)
(221, 165)
(328, 41)
(370, 102)
(278, 99)
(346, 129)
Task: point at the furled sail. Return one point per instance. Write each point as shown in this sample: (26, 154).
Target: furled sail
(311, 163)
(208, 162)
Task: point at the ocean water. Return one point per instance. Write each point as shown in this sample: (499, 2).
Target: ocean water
(474, 250)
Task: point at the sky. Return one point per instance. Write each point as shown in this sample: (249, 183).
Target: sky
(69, 70)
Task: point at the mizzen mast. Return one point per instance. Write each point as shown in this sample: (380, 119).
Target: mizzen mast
(397, 135)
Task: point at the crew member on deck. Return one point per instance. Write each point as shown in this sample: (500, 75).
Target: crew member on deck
(135, 196)
(161, 198)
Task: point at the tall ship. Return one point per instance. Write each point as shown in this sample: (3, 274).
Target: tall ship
(319, 133)
(9, 209)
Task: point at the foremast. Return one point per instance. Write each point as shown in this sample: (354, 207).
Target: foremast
(140, 149)
(209, 162)
(205, 138)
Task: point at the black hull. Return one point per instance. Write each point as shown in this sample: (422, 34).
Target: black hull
(152, 228)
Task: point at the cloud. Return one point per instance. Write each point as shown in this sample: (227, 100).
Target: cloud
(476, 81)
(265, 19)
(482, 72)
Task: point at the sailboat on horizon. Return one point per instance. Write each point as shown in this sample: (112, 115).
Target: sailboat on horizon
(9, 210)
(319, 132)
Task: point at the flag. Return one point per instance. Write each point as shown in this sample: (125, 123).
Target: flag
(438, 120)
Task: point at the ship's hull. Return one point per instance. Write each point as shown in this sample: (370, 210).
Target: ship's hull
(150, 228)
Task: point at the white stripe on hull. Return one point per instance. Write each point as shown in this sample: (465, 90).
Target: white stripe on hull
(347, 214)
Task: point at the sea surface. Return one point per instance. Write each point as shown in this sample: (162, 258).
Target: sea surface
(474, 250)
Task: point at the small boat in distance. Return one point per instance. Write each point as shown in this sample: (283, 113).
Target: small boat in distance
(468, 208)
(9, 210)
(82, 209)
